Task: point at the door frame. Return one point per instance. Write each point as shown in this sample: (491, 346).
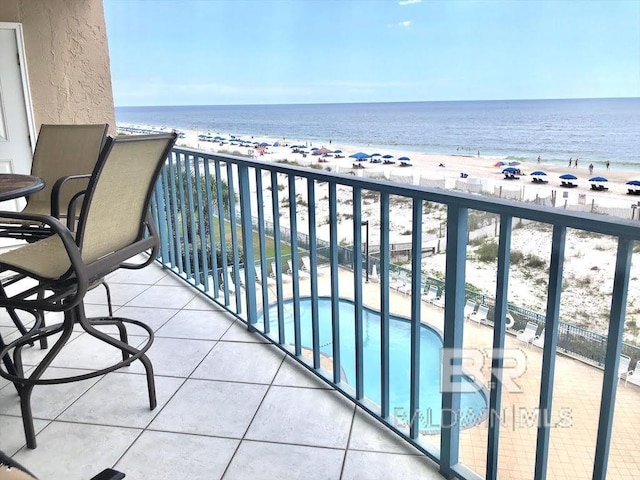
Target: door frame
(24, 78)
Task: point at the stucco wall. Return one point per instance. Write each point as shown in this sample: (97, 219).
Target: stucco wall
(67, 59)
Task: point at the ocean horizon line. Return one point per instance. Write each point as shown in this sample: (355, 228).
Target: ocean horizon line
(383, 102)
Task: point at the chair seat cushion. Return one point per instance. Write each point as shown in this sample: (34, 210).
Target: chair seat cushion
(45, 258)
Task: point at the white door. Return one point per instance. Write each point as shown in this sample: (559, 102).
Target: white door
(17, 136)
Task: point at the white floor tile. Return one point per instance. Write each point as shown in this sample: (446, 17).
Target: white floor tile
(292, 374)
(223, 409)
(267, 461)
(303, 416)
(76, 451)
(359, 465)
(369, 434)
(172, 456)
(240, 362)
(159, 296)
(197, 324)
(175, 357)
(121, 399)
(12, 433)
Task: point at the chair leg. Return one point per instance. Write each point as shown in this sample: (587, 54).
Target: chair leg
(108, 292)
(27, 415)
(125, 347)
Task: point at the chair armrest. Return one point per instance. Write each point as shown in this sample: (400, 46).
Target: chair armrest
(57, 187)
(76, 270)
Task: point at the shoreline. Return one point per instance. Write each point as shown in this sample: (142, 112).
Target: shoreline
(481, 175)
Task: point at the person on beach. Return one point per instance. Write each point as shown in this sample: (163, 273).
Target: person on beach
(607, 164)
(575, 163)
(570, 160)
(538, 159)
(590, 168)
(478, 153)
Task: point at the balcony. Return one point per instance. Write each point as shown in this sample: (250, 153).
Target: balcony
(274, 390)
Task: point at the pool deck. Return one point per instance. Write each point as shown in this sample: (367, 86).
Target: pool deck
(223, 390)
(576, 399)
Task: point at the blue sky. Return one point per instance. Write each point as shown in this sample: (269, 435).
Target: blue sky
(217, 52)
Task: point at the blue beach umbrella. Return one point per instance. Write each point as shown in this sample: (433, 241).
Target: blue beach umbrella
(337, 151)
(538, 173)
(404, 159)
(376, 155)
(598, 179)
(360, 156)
(635, 183)
(568, 176)
(314, 149)
(514, 163)
(387, 156)
(511, 170)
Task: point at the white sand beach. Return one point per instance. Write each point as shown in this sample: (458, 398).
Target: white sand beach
(590, 258)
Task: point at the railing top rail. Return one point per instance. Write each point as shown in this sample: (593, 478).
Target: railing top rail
(566, 218)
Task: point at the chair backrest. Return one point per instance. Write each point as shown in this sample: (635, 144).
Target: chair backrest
(483, 310)
(63, 150)
(531, 327)
(117, 199)
(623, 366)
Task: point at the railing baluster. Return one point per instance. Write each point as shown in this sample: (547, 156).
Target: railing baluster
(335, 291)
(212, 231)
(313, 272)
(457, 227)
(182, 165)
(416, 269)
(384, 305)
(357, 291)
(264, 278)
(558, 242)
(223, 237)
(201, 223)
(614, 349)
(234, 238)
(173, 173)
(293, 223)
(247, 246)
(190, 210)
(497, 358)
(278, 254)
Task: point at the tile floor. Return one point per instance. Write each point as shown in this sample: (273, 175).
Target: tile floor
(229, 405)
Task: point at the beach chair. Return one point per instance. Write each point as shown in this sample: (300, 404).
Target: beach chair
(431, 294)
(273, 271)
(633, 376)
(406, 287)
(480, 315)
(301, 273)
(469, 308)
(528, 334)
(396, 283)
(306, 263)
(538, 340)
(374, 277)
(270, 280)
(439, 300)
(623, 367)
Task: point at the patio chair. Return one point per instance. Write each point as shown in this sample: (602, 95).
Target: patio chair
(306, 263)
(113, 227)
(430, 294)
(270, 280)
(439, 300)
(623, 367)
(538, 340)
(528, 334)
(469, 308)
(480, 315)
(633, 376)
(64, 157)
(301, 273)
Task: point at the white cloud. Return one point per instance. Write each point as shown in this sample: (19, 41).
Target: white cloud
(408, 2)
(405, 24)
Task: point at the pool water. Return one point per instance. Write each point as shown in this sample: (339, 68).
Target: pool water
(473, 401)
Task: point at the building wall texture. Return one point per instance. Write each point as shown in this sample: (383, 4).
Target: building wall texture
(67, 59)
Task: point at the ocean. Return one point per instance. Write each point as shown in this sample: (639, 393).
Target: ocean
(593, 130)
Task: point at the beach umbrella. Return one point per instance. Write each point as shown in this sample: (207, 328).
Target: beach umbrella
(538, 173)
(264, 144)
(360, 156)
(337, 151)
(404, 159)
(387, 156)
(598, 179)
(322, 151)
(376, 155)
(314, 149)
(276, 144)
(511, 170)
(568, 176)
(500, 164)
(514, 163)
(635, 183)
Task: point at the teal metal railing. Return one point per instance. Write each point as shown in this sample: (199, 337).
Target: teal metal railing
(219, 219)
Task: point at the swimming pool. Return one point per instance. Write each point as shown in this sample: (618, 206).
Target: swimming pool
(473, 402)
